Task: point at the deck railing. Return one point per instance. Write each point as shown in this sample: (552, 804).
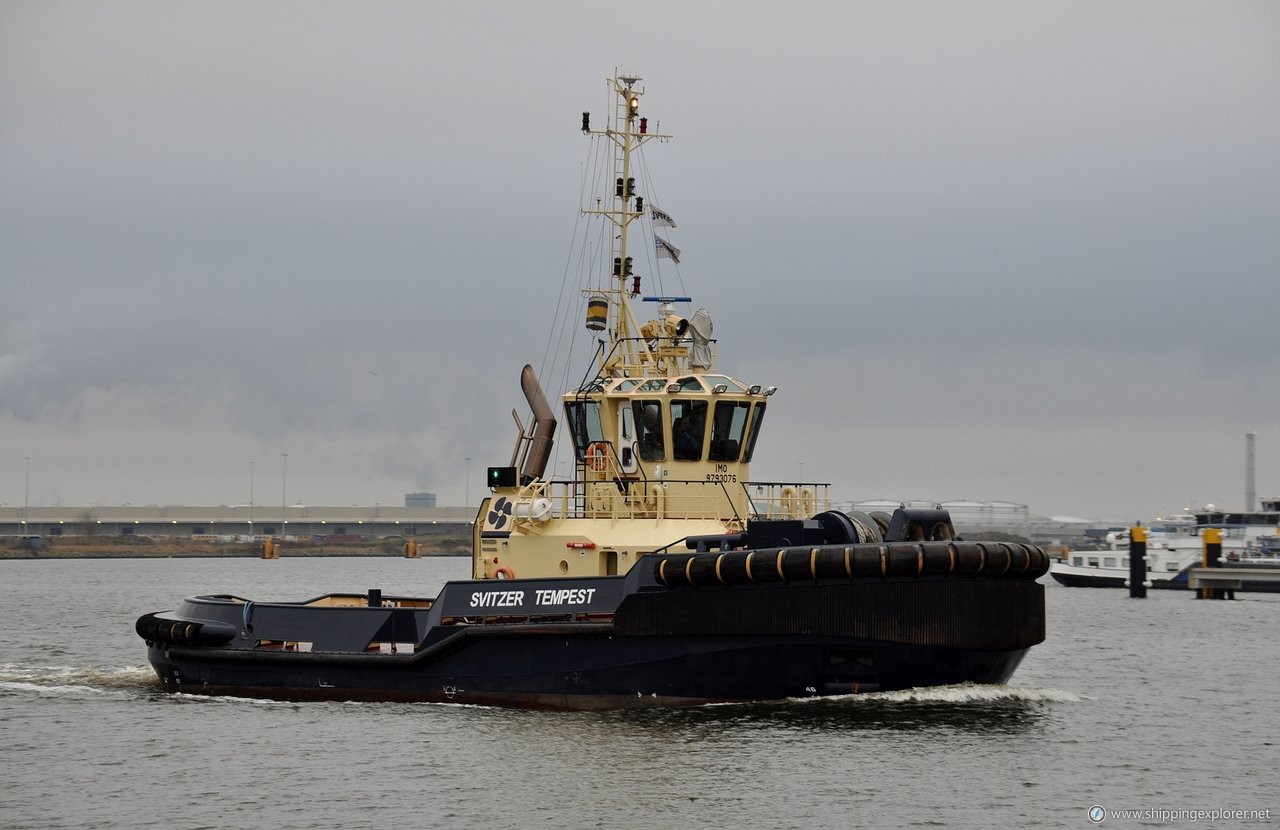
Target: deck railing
(671, 499)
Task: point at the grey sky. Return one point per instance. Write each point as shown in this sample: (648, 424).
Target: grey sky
(1021, 251)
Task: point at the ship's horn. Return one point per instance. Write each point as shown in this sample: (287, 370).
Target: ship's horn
(544, 428)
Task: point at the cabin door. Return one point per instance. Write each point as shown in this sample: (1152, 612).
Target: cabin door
(627, 459)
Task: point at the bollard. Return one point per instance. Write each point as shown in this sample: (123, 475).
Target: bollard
(1138, 562)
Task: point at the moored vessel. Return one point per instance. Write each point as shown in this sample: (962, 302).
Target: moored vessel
(1175, 544)
(660, 573)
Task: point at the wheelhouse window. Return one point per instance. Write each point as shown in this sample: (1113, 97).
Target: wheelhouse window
(724, 380)
(648, 426)
(584, 425)
(728, 424)
(688, 428)
(756, 420)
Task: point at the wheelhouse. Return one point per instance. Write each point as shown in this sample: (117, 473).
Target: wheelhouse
(704, 419)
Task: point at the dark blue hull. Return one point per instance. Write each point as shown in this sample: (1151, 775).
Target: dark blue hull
(1073, 580)
(763, 625)
(587, 670)
(1177, 582)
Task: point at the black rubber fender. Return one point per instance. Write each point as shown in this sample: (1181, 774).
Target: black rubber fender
(156, 629)
(891, 560)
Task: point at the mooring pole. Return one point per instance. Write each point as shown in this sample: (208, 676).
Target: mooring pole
(1138, 562)
(1212, 537)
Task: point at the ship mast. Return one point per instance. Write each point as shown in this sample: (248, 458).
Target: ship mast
(628, 351)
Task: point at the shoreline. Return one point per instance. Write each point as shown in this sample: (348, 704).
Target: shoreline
(212, 552)
(24, 557)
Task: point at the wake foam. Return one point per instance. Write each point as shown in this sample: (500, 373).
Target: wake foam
(56, 680)
(971, 693)
(964, 693)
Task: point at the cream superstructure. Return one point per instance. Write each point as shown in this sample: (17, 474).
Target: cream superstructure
(662, 441)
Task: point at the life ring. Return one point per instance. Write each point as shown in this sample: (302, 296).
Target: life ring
(653, 497)
(504, 573)
(597, 456)
(790, 503)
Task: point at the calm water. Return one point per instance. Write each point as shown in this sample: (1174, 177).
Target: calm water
(1164, 703)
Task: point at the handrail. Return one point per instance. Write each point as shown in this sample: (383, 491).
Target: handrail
(619, 497)
(787, 500)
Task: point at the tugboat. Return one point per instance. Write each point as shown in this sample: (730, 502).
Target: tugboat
(660, 574)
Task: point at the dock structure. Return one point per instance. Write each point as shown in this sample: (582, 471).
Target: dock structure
(1232, 579)
(1212, 580)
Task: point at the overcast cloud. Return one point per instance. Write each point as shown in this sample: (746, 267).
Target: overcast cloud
(999, 251)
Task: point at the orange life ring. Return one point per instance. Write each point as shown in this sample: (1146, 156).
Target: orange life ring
(504, 573)
(597, 456)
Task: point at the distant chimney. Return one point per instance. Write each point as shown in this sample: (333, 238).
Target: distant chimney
(1248, 472)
